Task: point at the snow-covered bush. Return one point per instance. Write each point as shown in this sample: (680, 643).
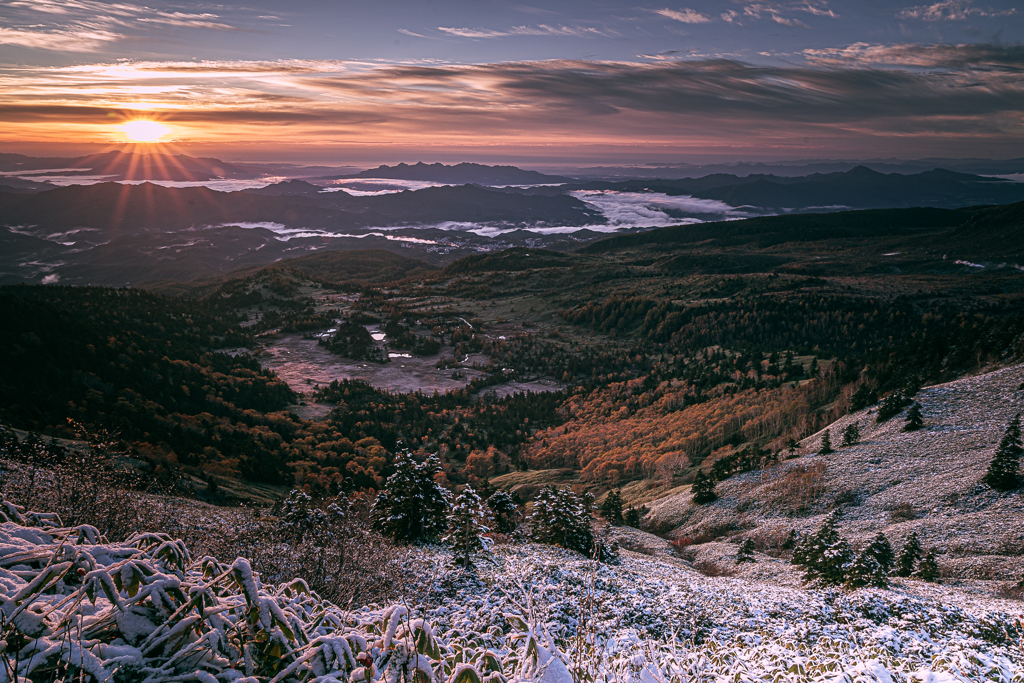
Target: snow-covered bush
(77, 608)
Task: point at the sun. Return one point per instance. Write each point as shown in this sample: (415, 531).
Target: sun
(141, 130)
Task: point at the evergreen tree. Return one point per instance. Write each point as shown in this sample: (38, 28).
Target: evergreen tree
(863, 398)
(914, 418)
(560, 517)
(909, 556)
(882, 551)
(824, 555)
(866, 570)
(746, 552)
(506, 511)
(467, 524)
(611, 508)
(792, 538)
(1002, 471)
(412, 505)
(891, 406)
(834, 564)
(300, 517)
(928, 569)
(632, 517)
(703, 488)
(826, 444)
(851, 435)
(871, 568)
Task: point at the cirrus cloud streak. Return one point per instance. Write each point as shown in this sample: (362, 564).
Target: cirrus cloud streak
(860, 96)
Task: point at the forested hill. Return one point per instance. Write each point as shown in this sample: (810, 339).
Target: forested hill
(995, 232)
(145, 367)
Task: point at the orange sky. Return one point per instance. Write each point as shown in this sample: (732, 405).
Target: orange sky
(576, 81)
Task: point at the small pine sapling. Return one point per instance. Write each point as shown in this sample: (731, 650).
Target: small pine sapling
(928, 568)
(746, 552)
(611, 508)
(826, 444)
(632, 517)
(1002, 471)
(851, 435)
(909, 556)
(703, 489)
(915, 420)
(467, 527)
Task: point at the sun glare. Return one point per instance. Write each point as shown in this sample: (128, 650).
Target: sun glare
(144, 131)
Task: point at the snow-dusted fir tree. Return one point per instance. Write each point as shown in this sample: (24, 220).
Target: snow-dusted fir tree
(505, 511)
(562, 518)
(928, 568)
(909, 556)
(631, 517)
(703, 489)
(866, 571)
(871, 568)
(825, 555)
(467, 526)
(882, 551)
(300, 517)
(1002, 472)
(412, 505)
(745, 552)
(611, 508)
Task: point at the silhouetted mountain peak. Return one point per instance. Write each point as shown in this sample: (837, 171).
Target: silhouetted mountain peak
(863, 172)
(460, 174)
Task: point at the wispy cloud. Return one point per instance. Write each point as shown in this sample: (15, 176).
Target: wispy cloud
(866, 93)
(538, 30)
(781, 12)
(80, 38)
(407, 32)
(951, 10)
(1007, 59)
(788, 22)
(91, 26)
(685, 15)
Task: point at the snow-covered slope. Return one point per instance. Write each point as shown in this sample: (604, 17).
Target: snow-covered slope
(893, 481)
(79, 608)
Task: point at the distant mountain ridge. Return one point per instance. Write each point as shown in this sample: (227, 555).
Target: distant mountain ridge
(858, 188)
(460, 174)
(121, 165)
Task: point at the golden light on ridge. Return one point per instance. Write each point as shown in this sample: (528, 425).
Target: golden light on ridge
(142, 130)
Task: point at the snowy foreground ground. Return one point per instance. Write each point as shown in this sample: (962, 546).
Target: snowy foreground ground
(78, 608)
